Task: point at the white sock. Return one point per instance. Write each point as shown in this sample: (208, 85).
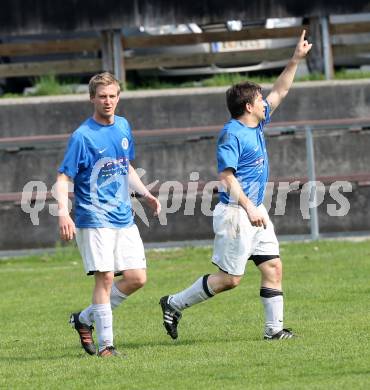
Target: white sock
(196, 293)
(87, 316)
(103, 322)
(273, 303)
(116, 296)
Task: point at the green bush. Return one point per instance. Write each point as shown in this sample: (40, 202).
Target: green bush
(50, 85)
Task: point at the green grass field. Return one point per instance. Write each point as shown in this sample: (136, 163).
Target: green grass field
(220, 346)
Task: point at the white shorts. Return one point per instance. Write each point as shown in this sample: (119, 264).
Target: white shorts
(236, 240)
(107, 249)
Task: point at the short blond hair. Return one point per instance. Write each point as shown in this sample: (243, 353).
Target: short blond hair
(105, 79)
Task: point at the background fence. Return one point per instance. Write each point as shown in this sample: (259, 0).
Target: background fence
(112, 51)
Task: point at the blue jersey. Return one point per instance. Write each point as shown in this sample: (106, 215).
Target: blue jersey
(243, 149)
(97, 159)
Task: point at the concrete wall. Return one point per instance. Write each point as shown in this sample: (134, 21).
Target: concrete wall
(17, 230)
(181, 108)
(174, 158)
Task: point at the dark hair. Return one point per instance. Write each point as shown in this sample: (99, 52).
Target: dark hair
(238, 95)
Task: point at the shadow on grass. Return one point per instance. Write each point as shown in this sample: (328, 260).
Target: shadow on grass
(187, 342)
(41, 357)
(74, 352)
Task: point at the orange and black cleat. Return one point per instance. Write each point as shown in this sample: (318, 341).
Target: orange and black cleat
(85, 333)
(109, 351)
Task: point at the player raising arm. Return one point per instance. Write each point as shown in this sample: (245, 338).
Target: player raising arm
(241, 224)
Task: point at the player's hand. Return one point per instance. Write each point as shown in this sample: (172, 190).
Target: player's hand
(256, 217)
(67, 228)
(302, 48)
(153, 203)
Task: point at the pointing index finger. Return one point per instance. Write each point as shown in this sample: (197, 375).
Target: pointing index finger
(303, 35)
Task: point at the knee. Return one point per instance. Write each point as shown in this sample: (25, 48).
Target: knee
(105, 279)
(278, 271)
(231, 282)
(274, 271)
(137, 281)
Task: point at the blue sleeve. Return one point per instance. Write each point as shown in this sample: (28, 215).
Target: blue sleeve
(267, 113)
(228, 152)
(75, 156)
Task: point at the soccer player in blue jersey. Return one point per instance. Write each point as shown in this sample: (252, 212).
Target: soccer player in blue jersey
(241, 224)
(97, 161)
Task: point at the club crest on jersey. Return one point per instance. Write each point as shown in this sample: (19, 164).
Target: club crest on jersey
(124, 143)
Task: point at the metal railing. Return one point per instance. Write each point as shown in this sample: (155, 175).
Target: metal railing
(14, 144)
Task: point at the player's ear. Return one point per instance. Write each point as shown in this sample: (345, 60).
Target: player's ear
(248, 107)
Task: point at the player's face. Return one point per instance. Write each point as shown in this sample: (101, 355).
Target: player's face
(105, 101)
(259, 107)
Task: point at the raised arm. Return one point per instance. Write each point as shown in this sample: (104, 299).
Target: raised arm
(285, 80)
